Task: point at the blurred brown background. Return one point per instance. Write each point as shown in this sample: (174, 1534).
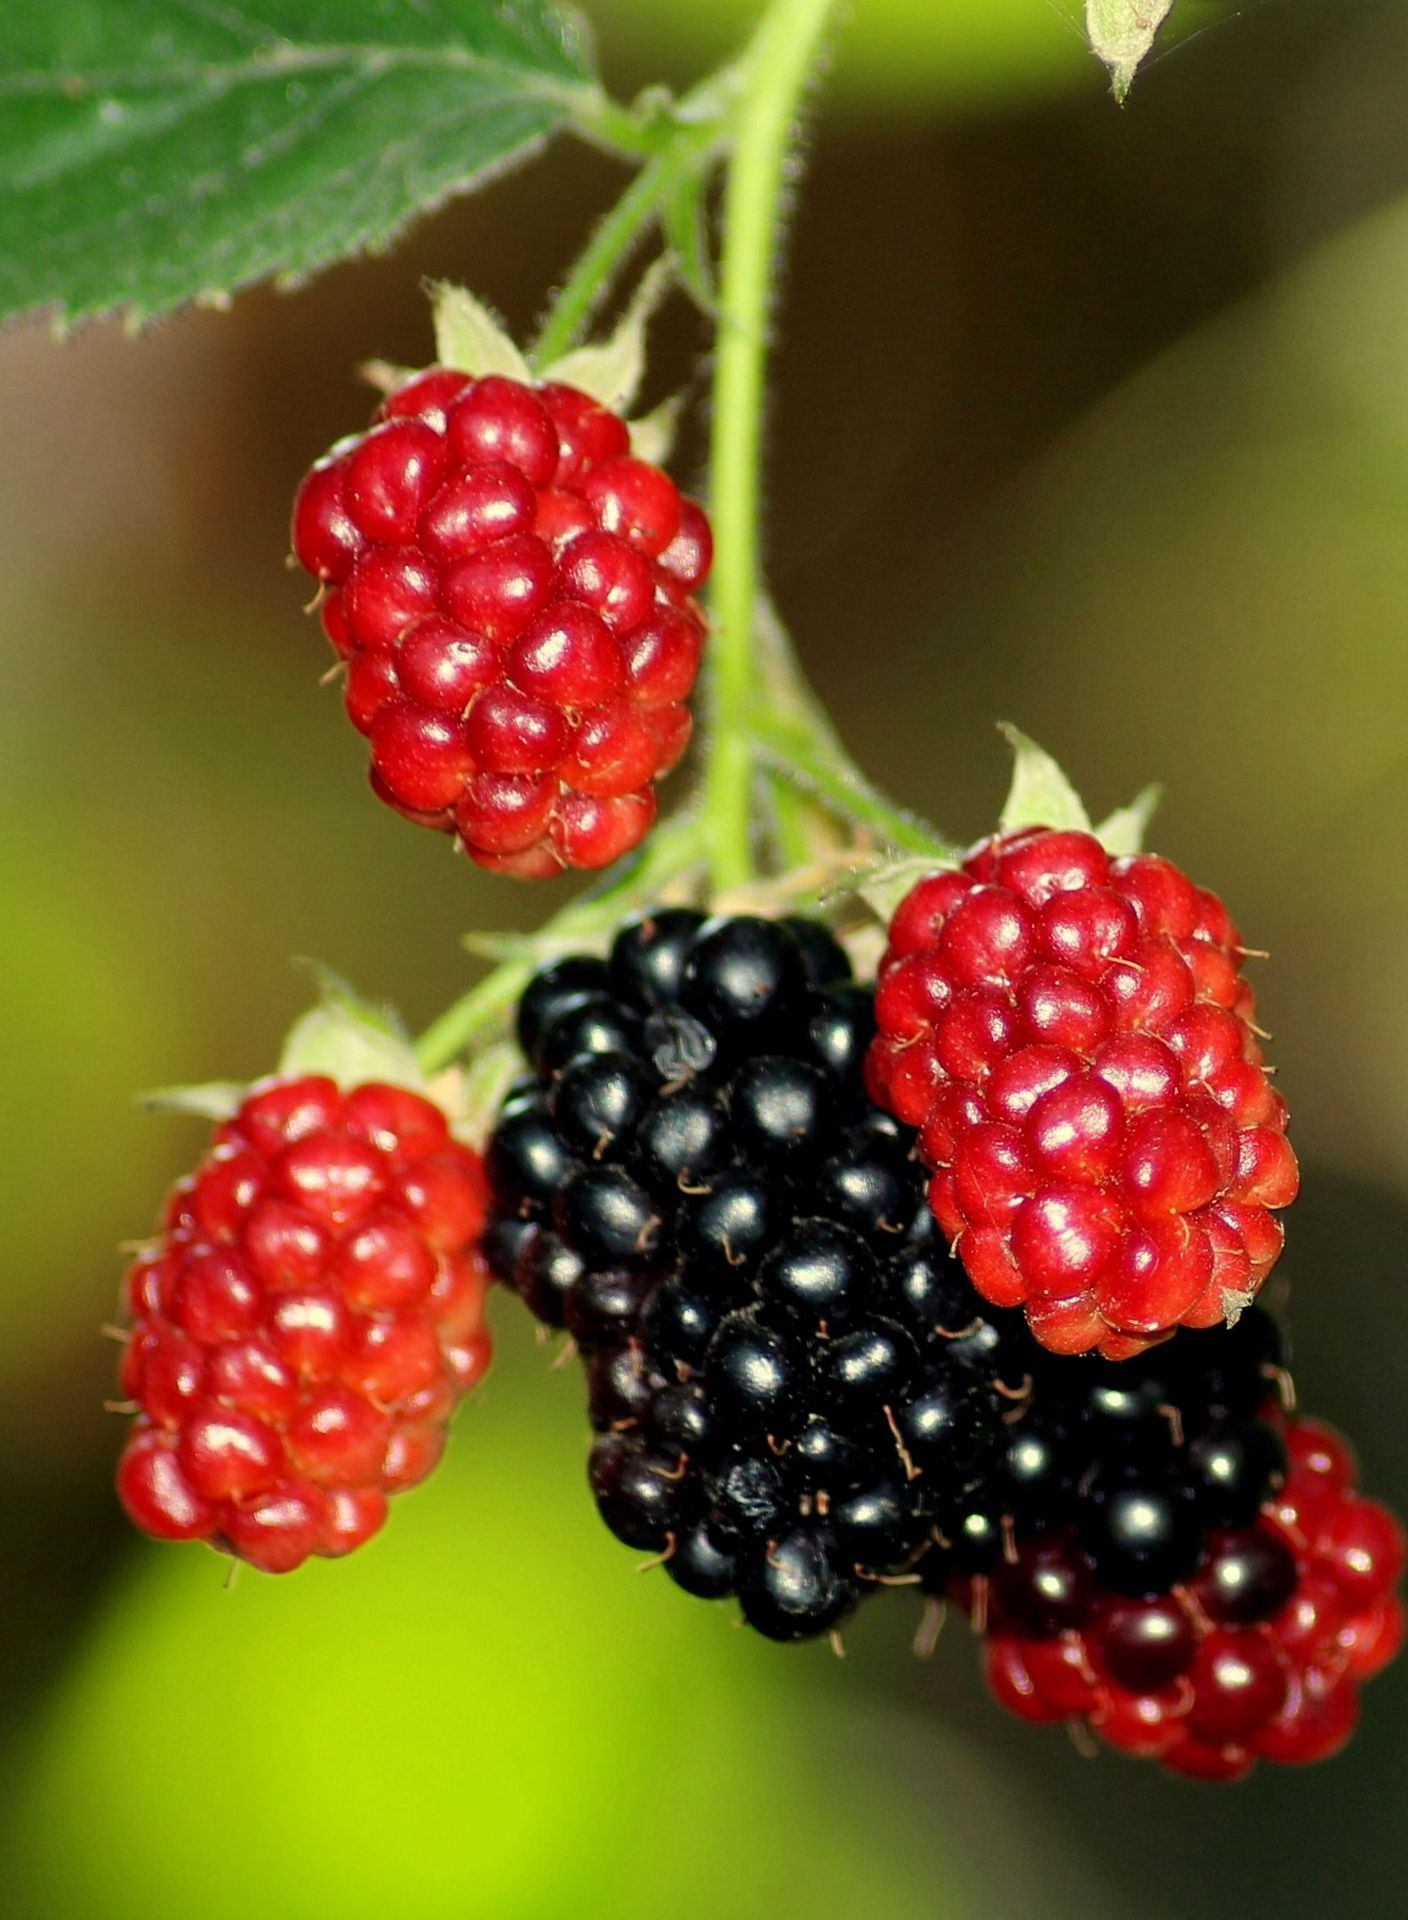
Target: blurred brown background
(1096, 420)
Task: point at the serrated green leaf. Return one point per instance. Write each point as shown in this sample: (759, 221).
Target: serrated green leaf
(1040, 794)
(1122, 831)
(611, 370)
(1121, 33)
(469, 337)
(158, 151)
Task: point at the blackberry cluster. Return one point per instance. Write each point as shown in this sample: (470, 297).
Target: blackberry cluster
(790, 1386)
(1165, 1558)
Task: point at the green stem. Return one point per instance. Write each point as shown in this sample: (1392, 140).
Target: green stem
(792, 820)
(636, 881)
(794, 747)
(776, 66)
(634, 132)
(596, 267)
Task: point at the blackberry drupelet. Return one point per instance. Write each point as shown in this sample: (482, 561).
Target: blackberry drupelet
(792, 1384)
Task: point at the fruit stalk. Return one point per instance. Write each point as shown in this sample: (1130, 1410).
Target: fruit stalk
(778, 64)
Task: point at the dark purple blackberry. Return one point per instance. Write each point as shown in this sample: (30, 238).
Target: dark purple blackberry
(1233, 1465)
(546, 1275)
(607, 1218)
(643, 1496)
(744, 979)
(1147, 1646)
(621, 1386)
(878, 1524)
(1044, 1587)
(603, 1309)
(796, 1586)
(756, 1378)
(1146, 1476)
(679, 1416)
(819, 1275)
(699, 1564)
(950, 1432)
(552, 991)
(781, 1109)
(867, 1373)
(749, 1500)
(794, 1384)
(1245, 1577)
(1141, 1534)
(528, 1158)
(595, 1025)
(599, 1102)
(648, 955)
(679, 1323)
(823, 956)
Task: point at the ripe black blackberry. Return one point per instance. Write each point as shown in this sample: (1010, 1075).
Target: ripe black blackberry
(792, 1383)
(1132, 1466)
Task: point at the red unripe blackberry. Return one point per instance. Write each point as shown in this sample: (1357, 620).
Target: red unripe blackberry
(305, 1324)
(512, 592)
(1073, 1037)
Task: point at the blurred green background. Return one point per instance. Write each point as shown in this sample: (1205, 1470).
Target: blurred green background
(1090, 419)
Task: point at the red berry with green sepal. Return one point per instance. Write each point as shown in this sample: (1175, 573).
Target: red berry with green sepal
(305, 1324)
(1073, 1035)
(513, 593)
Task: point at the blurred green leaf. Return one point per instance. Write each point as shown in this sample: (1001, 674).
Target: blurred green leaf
(154, 151)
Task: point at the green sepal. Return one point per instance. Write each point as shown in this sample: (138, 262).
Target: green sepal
(1040, 794)
(349, 1039)
(1122, 832)
(1121, 34)
(215, 1100)
(612, 369)
(470, 337)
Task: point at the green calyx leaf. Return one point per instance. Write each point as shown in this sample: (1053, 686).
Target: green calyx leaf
(653, 434)
(1122, 832)
(1121, 33)
(611, 370)
(216, 1100)
(1040, 794)
(158, 151)
(349, 1039)
(886, 886)
(479, 1091)
(470, 338)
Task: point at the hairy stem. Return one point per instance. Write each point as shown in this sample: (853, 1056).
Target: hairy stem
(618, 234)
(777, 66)
(795, 748)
